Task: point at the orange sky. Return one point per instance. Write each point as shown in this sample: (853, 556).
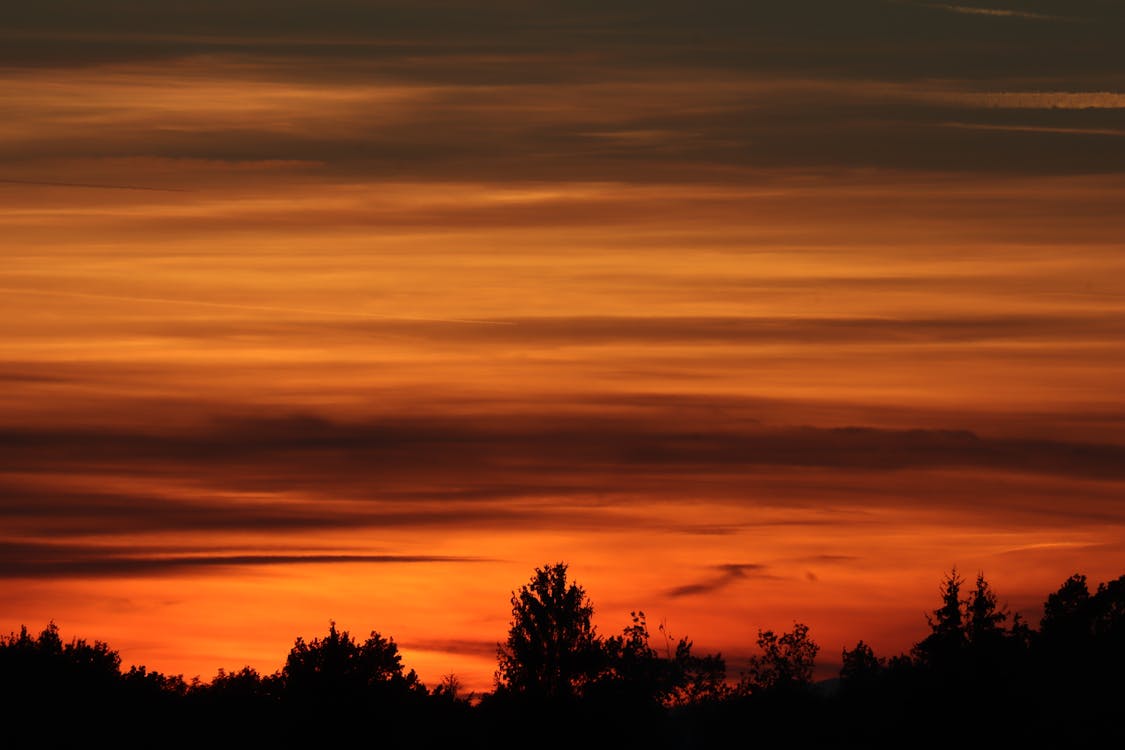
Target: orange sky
(365, 320)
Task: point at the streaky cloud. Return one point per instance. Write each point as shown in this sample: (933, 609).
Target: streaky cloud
(93, 185)
(972, 10)
(322, 312)
(23, 560)
(727, 575)
(1013, 128)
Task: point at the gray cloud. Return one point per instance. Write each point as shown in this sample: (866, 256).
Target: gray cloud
(726, 575)
(99, 186)
(505, 133)
(544, 452)
(465, 443)
(587, 91)
(974, 10)
(799, 33)
(617, 463)
(24, 560)
(453, 646)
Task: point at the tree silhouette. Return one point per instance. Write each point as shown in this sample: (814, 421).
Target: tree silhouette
(985, 620)
(1066, 613)
(946, 641)
(552, 650)
(1109, 607)
(243, 689)
(338, 669)
(559, 685)
(860, 668)
(1080, 630)
(153, 687)
(700, 679)
(46, 667)
(785, 664)
(636, 672)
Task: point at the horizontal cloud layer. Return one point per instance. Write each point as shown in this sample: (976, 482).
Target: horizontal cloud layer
(364, 307)
(55, 561)
(305, 474)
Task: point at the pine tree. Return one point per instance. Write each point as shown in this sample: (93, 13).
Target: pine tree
(946, 641)
(985, 626)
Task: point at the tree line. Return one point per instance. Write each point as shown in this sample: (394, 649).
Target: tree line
(981, 674)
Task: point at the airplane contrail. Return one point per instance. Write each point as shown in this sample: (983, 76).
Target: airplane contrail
(98, 185)
(258, 308)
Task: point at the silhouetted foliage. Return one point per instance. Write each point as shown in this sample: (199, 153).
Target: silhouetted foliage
(552, 650)
(47, 668)
(860, 668)
(243, 686)
(561, 685)
(153, 686)
(947, 638)
(1066, 614)
(1109, 609)
(985, 625)
(1080, 630)
(636, 672)
(337, 669)
(785, 664)
(701, 679)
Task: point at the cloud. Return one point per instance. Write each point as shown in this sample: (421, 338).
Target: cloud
(481, 648)
(29, 560)
(704, 330)
(1076, 100)
(303, 313)
(476, 445)
(618, 92)
(993, 12)
(661, 465)
(1013, 128)
(727, 575)
(830, 559)
(99, 186)
(469, 467)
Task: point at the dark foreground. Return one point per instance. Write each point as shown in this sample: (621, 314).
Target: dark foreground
(979, 677)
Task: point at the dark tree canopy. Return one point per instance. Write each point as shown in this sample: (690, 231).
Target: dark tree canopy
(636, 672)
(860, 667)
(1076, 622)
(1066, 612)
(785, 664)
(45, 665)
(552, 649)
(561, 685)
(985, 616)
(338, 667)
(947, 635)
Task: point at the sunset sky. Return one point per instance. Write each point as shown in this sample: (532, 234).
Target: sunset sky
(753, 312)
